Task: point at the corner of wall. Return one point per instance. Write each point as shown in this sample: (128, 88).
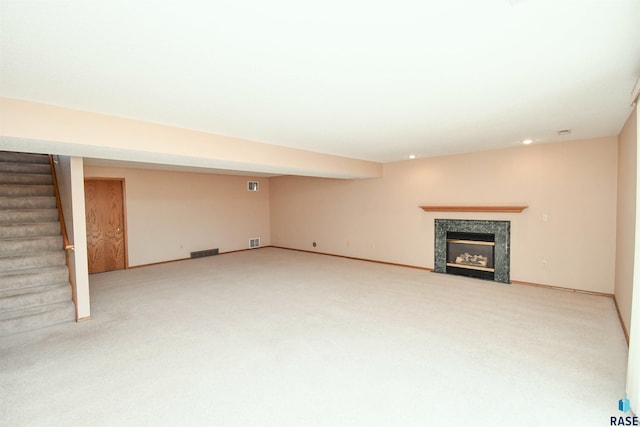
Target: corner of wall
(626, 218)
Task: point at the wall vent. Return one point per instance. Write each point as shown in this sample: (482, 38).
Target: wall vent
(207, 252)
(252, 186)
(254, 243)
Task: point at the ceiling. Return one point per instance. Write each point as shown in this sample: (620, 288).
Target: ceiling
(373, 80)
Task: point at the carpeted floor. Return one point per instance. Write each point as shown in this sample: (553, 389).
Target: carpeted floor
(272, 337)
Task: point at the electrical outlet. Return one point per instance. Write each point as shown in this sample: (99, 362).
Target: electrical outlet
(545, 264)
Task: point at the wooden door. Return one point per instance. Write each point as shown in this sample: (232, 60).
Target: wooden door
(104, 210)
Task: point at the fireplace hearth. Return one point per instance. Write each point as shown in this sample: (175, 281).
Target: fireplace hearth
(474, 248)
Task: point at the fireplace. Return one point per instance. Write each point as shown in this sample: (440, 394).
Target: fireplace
(473, 248)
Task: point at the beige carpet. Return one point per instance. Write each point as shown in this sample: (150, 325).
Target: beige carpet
(272, 337)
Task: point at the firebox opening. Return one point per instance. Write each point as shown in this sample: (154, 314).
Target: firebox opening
(471, 254)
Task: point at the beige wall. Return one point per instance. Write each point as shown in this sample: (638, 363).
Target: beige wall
(170, 214)
(626, 217)
(633, 366)
(62, 165)
(573, 183)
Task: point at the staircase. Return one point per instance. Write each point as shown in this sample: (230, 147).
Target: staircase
(34, 280)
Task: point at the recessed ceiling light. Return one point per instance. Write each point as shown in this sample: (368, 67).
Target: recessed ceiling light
(412, 156)
(527, 141)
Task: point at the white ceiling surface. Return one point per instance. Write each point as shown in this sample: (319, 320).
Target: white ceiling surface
(373, 80)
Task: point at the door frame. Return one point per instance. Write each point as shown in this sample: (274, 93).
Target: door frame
(124, 213)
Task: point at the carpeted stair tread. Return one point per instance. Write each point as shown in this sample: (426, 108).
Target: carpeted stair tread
(29, 229)
(25, 178)
(31, 311)
(37, 202)
(39, 168)
(12, 300)
(26, 190)
(36, 317)
(31, 261)
(24, 245)
(22, 216)
(15, 157)
(19, 279)
(7, 293)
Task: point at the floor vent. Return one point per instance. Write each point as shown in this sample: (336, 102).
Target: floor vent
(208, 252)
(254, 243)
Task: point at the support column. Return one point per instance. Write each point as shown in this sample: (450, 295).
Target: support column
(80, 238)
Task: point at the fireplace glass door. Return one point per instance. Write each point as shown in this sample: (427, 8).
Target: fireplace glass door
(471, 254)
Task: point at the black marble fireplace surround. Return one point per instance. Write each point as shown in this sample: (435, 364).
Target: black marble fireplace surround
(500, 229)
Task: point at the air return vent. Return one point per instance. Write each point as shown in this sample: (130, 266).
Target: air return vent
(254, 243)
(208, 252)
